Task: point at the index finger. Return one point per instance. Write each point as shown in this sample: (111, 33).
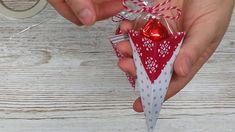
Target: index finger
(108, 8)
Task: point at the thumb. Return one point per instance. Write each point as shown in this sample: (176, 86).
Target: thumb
(196, 42)
(83, 10)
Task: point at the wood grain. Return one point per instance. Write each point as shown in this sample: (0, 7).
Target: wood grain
(57, 77)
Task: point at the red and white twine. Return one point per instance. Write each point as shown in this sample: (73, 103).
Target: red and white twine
(156, 10)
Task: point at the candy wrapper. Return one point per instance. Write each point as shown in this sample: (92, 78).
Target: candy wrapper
(155, 47)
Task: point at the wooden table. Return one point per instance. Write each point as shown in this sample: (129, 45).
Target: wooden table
(57, 77)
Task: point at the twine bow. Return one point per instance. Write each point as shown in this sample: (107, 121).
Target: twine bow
(142, 7)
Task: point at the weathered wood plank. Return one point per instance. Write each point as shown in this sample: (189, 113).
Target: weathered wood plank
(58, 77)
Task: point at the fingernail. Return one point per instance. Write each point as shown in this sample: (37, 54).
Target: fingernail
(118, 31)
(86, 16)
(186, 66)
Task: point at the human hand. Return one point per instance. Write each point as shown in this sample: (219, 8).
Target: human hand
(205, 23)
(86, 11)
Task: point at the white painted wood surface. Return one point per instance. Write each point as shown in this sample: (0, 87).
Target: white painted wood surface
(57, 77)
